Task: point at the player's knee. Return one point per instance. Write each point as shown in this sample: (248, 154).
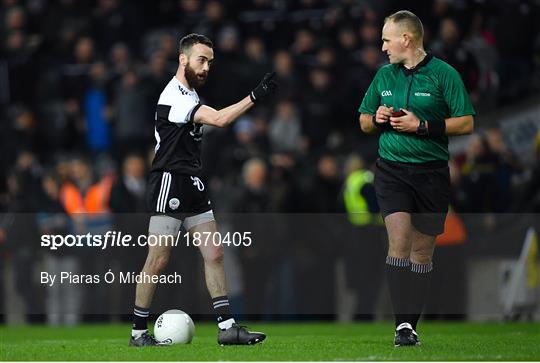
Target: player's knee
(157, 264)
(214, 255)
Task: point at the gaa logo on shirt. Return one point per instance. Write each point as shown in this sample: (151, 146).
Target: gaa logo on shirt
(386, 93)
(174, 203)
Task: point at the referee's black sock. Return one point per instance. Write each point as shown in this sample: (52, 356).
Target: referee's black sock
(398, 275)
(420, 278)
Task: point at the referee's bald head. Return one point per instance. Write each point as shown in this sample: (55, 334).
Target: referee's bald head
(408, 22)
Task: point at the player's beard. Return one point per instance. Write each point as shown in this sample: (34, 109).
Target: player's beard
(192, 78)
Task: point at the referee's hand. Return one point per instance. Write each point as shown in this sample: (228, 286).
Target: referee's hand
(406, 123)
(383, 114)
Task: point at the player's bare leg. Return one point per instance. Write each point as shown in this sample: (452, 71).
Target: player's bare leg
(162, 231)
(229, 333)
(156, 261)
(214, 269)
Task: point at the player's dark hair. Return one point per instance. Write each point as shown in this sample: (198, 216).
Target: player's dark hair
(410, 21)
(191, 39)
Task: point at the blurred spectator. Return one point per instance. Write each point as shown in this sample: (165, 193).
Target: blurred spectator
(348, 46)
(449, 47)
(256, 61)
(248, 144)
(155, 75)
(63, 302)
(213, 21)
(255, 199)
(128, 205)
(507, 166)
(116, 21)
(120, 59)
(287, 76)
(19, 231)
(326, 186)
(319, 109)
(95, 105)
(285, 131)
(363, 237)
(81, 194)
(370, 34)
(128, 192)
(304, 47)
(75, 74)
(478, 176)
(131, 113)
(514, 47)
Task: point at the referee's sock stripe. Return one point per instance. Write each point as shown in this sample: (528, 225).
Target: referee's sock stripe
(422, 268)
(398, 262)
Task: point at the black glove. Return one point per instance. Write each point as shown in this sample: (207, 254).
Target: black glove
(267, 86)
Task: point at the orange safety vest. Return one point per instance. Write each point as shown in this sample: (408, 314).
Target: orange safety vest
(454, 231)
(96, 199)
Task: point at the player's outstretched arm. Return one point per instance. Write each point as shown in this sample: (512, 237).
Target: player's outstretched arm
(221, 118)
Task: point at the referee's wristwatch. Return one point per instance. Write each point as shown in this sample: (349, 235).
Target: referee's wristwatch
(422, 129)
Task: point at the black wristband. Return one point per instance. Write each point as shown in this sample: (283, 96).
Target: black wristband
(437, 128)
(381, 126)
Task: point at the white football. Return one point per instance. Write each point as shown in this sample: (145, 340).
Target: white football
(174, 327)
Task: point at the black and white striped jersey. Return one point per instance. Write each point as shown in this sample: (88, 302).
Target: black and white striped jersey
(178, 137)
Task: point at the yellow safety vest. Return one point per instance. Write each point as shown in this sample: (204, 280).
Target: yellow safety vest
(355, 203)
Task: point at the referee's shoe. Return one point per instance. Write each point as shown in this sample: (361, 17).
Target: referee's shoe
(405, 336)
(239, 335)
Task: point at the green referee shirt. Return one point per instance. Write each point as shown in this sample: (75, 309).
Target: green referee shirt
(433, 91)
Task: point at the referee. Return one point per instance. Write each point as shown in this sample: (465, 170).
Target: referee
(415, 103)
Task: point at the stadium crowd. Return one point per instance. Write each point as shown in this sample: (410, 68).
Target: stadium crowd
(79, 81)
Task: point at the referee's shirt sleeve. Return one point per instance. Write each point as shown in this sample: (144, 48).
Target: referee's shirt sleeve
(455, 94)
(372, 98)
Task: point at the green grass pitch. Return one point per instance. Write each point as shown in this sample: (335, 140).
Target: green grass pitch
(285, 342)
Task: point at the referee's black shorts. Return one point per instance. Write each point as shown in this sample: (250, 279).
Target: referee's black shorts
(177, 195)
(423, 190)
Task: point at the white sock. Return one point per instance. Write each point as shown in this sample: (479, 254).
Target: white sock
(224, 325)
(137, 333)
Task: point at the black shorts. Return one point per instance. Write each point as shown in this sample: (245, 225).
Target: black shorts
(423, 190)
(177, 195)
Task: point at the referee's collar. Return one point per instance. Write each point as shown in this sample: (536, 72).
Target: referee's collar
(423, 62)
